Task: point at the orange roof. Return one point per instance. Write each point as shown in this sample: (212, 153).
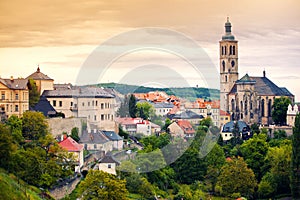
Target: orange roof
(70, 145)
(223, 113)
(186, 126)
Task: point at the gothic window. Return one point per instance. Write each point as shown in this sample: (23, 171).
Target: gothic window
(233, 50)
(225, 50)
(223, 64)
(225, 78)
(246, 107)
(222, 51)
(241, 106)
(232, 105)
(263, 108)
(230, 50)
(269, 107)
(232, 63)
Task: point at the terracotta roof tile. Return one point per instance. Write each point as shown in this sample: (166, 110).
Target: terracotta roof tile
(70, 145)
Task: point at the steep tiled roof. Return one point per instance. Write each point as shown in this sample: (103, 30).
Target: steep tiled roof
(93, 138)
(187, 115)
(45, 107)
(186, 126)
(38, 75)
(163, 105)
(70, 145)
(229, 126)
(223, 113)
(15, 84)
(112, 135)
(91, 92)
(109, 159)
(265, 86)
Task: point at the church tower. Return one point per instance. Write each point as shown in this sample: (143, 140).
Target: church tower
(228, 65)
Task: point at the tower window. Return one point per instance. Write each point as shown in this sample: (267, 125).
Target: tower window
(223, 64)
(233, 50)
(222, 53)
(225, 78)
(225, 50)
(230, 50)
(232, 63)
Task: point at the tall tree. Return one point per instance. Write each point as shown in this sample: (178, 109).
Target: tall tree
(236, 177)
(74, 134)
(279, 110)
(215, 160)
(34, 125)
(145, 110)
(7, 146)
(132, 106)
(123, 111)
(102, 185)
(34, 95)
(254, 152)
(295, 159)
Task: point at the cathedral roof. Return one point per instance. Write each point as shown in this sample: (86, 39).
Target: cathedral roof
(262, 85)
(245, 80)
(38, 75)
(265, 86)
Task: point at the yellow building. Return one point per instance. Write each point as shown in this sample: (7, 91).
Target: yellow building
(42, 81)
(14, 96)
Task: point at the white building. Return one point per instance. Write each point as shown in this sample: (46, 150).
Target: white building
(291, 114)
(93, 103)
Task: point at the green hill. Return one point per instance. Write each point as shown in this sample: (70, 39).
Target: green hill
(11, 189)
(190, 93)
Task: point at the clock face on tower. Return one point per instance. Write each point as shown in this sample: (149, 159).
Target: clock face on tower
(232, 63)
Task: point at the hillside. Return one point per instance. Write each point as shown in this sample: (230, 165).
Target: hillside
(11, 189)
(190, 93)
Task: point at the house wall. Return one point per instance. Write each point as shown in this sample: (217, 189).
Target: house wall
(105, 167)
(175, 130)
(106, 147)
(144, 129)
(13, 102)
(98, 111)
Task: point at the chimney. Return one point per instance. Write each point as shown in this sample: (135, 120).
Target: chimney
(11, 78)
(264, 73)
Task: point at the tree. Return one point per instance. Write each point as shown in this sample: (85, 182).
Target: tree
(34, 125)
(7, 146)
(215, 159)
(145, 110)
(15, 125)
(74, 134)
(236, 177)
(123, 111)
(254, 152)
(295, 159)
(279, 110)
(236, 139)
(102, 185)
(34, 95)
(132, 106)
(279, 161)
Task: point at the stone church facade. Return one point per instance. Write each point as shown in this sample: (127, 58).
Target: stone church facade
(249, 98)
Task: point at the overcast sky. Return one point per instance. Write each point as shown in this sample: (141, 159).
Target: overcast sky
(60, 35)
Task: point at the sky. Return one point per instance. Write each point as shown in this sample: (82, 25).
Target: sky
(61, 37)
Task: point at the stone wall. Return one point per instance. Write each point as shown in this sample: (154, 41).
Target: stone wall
(66, 189)
(59, 125)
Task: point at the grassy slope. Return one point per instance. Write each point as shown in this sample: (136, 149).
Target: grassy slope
(10, 189)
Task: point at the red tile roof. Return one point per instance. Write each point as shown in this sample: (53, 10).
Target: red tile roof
(224, 113)
(186, 126)
(70, 145)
